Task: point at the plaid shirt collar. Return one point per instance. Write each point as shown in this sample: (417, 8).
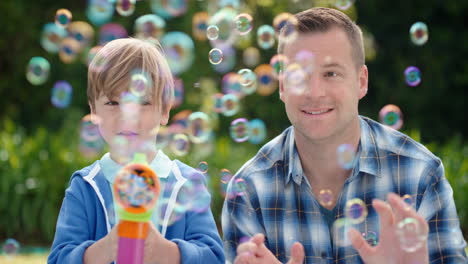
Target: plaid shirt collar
(367, 150)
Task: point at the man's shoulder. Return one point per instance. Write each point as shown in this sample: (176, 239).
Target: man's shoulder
(268, 155)
(389, 141)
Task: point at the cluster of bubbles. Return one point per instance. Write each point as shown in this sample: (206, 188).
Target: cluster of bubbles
(242, 130)
(391, 116)
(133, 190)
(355, 212)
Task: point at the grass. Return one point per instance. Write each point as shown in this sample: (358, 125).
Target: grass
(24, 259)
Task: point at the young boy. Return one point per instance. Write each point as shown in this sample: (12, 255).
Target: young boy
(130, 90)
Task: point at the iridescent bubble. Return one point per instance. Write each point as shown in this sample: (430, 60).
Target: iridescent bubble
(231, 84)
(265, 36)
(194, 197)
(325, 197)
(149, 26)
(239, 187)
(100, 12)
(257, 131)
(169, 9)
(239, 129)
(248, 80)
(89, 129)
(178, 92)
(203, 166)
(199, 127)
(52, 36)
(266, 81)
(225, 177)
(306, 59)
(286, 24)
(224, 20)
(340, 229)
(69, 49)
(212, 32)
(251, 56)
(180, 144)
(125, 7)
(217, 102)
(82, 32)
(371, 238)
(63, 17)
(244, 23)
(391, 115)
(230, 104)
(410, 234)
(295, 78)
(412, 76)
(408, 199)
(38, 70)
(215, 56)
(200, 25)
(355, 210)
(419, 33)
(229, 59)
(346, 154)
(61, 94)
(111, 31)
(279, 63)
(344, 4)
(11, 247)
(140, 84)
(179, 49)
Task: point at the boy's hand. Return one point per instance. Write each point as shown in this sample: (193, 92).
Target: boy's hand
(112, 243)
(388, 250)
(158, 249)
(254, 251)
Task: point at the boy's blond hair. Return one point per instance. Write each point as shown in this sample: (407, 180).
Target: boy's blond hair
(110, 71)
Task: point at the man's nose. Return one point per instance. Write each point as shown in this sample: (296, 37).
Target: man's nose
(314, 86)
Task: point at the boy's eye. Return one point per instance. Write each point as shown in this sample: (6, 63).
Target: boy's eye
(146, 103)
(112, 103)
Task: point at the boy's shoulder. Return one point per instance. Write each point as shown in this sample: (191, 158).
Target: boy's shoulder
(90, 170)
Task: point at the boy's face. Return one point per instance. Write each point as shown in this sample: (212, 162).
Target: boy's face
(136, 122)
(322, 96)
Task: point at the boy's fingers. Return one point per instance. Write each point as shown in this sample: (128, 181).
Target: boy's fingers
(297, 254)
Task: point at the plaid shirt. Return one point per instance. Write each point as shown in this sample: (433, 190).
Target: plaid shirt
(278, 200)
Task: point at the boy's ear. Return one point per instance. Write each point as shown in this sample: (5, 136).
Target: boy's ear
(165, 116)
(94, 118)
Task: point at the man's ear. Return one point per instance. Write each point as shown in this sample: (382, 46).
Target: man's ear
(281, 86)
(363, 81)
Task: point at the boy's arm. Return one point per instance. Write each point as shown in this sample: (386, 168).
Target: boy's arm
(72, 234)
(445, 239)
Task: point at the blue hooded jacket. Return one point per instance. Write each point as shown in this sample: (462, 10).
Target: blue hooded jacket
(85, 217)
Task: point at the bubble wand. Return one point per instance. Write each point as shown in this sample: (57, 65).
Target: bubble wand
(136, 190)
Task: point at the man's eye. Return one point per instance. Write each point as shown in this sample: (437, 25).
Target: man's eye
(146, 103)
(112, 103)
(331, 74)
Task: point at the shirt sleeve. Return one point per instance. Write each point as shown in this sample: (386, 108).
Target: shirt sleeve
(241, 216)
(71, 236)
(445, 240)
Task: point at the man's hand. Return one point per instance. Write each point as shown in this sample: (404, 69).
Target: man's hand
(389, 249)
(254, 251)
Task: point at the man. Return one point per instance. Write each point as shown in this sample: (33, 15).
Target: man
(282, 214)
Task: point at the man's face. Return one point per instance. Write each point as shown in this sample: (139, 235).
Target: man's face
(321, 85)
(135, 122)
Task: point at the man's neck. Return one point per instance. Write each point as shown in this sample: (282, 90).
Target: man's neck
(319, 159)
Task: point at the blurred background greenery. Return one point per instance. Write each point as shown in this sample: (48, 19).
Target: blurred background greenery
(39, 143)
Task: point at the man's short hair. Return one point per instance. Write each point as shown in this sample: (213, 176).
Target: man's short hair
(110, 71)
(321, 19)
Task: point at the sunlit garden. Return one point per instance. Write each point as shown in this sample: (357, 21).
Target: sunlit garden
(223, 56)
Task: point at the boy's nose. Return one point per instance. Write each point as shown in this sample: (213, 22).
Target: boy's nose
(129, 112)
